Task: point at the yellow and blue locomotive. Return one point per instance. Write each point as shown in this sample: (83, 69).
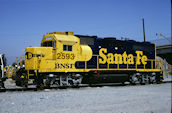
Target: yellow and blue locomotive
(65, 59)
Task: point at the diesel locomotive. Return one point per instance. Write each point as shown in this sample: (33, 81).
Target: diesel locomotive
(65, 59)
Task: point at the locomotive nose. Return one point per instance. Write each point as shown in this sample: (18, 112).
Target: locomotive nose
(34, 54)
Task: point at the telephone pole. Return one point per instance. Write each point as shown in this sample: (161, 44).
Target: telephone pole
(143, 29)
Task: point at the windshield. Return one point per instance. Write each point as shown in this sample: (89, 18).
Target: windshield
(49, 44)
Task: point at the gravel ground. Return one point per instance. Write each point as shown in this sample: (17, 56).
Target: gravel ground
(154, 98)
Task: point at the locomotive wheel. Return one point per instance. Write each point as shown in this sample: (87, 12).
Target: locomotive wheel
(22, 83)
(71, 83)
(123, 83)
(158, 79)
(40, 84)
(26, 84)
(133, 79)
(18, 82)
(151, 79)
(142, 80)
(47, 84)
(2, 84)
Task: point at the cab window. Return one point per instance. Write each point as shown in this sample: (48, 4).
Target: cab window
(49, 44)
(67, 48)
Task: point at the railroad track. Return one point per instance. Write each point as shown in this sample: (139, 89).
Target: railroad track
(80, 86)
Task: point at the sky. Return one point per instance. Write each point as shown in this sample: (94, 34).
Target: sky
(24, 22)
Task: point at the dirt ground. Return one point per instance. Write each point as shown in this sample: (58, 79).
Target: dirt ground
(154, 98)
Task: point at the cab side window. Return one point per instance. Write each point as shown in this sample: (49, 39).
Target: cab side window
(67, 48)
(49, 44)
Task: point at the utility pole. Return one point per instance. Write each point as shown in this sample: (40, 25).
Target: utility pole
(143, 29)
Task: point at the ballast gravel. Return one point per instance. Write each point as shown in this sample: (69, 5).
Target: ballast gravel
(153, 98)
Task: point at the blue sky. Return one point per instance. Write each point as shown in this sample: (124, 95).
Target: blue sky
(24, 22)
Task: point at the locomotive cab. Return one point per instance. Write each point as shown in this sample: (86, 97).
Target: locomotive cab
(58, 53)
